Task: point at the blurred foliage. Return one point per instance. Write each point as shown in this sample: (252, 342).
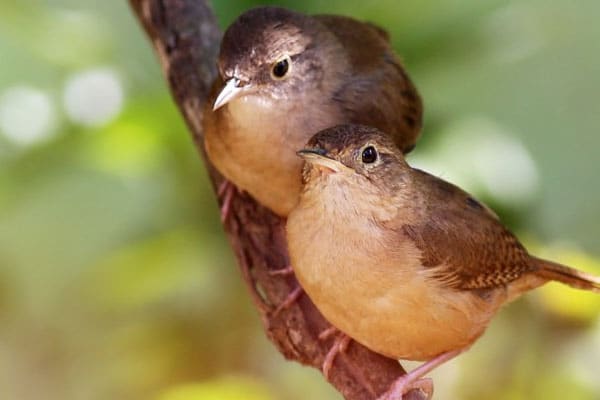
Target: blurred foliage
(115, 278)
(225, 389)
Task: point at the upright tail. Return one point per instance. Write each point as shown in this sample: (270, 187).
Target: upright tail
(569, 276)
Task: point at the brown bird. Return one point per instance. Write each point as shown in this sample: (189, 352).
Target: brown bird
(403, 262)
(286, 75)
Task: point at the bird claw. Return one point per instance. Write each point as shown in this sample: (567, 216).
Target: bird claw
(293, 296)
(289, 300)
(414, 379)
(327, 333)
(403, 386)
(340, 344)
(282, 271)
(226, 192)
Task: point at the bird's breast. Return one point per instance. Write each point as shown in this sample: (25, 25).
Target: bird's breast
(380, 296)
(254, 146)
(253, 142)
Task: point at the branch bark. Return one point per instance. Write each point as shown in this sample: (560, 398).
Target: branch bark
(186, 38)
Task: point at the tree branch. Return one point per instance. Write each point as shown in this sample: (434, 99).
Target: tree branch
(186, 38)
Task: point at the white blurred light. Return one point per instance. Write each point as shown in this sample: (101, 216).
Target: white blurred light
(93, 97)
(506, 168)
(26, 115)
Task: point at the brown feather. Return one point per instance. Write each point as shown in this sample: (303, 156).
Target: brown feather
(462, 240)
(567, 275)
(378, 92)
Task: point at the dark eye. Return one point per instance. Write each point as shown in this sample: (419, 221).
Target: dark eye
(281, 67)
(369, 155)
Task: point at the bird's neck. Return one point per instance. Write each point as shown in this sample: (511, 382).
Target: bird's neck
(368, 203)
(260, 117)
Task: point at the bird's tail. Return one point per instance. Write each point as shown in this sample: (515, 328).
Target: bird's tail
(567, 275)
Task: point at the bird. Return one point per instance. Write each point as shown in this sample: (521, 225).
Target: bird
(283, 76)
(399, 260)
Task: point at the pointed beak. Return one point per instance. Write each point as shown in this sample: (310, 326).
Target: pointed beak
(318, 157)
(232, 89)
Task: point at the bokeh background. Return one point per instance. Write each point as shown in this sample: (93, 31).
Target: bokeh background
(116, 281)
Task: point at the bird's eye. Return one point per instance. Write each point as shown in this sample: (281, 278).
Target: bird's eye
(281, 68)
(369, 155)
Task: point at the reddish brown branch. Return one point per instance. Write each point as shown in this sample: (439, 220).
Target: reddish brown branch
(186, 37)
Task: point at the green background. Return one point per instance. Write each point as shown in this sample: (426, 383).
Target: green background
(116, 281)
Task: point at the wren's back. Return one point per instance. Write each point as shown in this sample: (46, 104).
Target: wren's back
(378, 92)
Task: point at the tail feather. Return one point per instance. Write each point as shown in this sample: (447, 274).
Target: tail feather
(567, 275)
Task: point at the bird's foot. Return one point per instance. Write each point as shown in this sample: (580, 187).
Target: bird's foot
(289, 300)
(327, 333)
(293, 296)
(414, 379)
(340, 344)
(282, 271)
(402, 386)
(226, 193)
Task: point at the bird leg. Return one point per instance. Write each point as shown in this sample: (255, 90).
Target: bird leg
(414, 379)
(226, 192)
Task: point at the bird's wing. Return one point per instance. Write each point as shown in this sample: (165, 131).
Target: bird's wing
(378, 91)
(463, 240)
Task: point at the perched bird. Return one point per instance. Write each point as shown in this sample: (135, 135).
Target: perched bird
(286, 75)
(403, 262)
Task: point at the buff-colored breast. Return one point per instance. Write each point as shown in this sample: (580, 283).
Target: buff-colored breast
(379, 295)
(253, 143)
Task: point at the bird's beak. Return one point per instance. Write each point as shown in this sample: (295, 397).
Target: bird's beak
(232, 89)
(319, 158)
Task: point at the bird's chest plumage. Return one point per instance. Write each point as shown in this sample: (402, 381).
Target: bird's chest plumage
(380, 296)
(254, 143)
